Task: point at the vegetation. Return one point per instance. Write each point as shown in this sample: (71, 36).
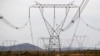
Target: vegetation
(44, 53)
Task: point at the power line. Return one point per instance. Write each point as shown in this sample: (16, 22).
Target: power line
(21, 27)
(76, 16)
(13, 26)
(75, 30)
(90, 26)
(74, 34)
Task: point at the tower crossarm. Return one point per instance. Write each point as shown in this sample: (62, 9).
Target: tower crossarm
(54, 5)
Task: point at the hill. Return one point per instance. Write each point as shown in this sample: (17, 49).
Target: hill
(21, 47)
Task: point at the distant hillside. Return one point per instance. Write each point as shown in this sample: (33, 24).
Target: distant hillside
(76, 48)
(30, 47)
(21, 47)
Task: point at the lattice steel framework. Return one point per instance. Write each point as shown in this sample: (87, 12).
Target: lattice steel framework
(54, 31)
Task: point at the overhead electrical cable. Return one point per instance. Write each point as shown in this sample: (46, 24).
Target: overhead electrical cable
(13, 26)
(73, 37)
(90, 26)
(76, 16)
(75, 30)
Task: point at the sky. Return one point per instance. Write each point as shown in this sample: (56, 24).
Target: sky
(16, 12)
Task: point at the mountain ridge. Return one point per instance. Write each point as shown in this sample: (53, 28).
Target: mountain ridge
(21, 47)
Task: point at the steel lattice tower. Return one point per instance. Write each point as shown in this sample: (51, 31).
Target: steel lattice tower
(54, 31)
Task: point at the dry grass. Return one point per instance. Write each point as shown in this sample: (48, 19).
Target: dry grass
(43, 53)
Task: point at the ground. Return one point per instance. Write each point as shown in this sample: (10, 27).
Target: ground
(44, 53)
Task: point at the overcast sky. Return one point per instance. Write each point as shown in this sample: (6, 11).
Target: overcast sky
(16, 12)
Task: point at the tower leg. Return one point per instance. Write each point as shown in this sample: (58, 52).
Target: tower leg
(54, 45)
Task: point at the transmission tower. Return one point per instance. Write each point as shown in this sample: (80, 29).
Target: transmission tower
(80, 40)
(53, 30)
(97, 46)
(8, 43)
(45, 42)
